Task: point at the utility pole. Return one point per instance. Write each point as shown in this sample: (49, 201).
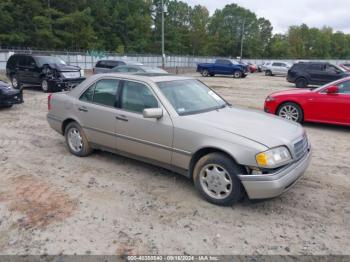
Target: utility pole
(49, 10)
(242, 39)
(163, 44)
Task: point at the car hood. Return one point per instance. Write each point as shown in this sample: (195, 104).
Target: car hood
(65, 68)
(265, 129)
(292, 92)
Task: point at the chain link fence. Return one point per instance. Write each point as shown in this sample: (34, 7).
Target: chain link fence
(87, 60)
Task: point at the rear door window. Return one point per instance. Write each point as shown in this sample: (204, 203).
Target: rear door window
(136, 97)
(106, 92)
(316, 67)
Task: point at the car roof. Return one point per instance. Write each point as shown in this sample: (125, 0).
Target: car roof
(148, 77)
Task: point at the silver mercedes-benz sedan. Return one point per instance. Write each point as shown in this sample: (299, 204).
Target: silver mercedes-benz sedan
(181, 124)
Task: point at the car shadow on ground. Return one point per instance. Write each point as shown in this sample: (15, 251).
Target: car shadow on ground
(185, 183)
(328, 127)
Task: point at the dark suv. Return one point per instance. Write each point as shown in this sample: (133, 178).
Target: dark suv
(314, 73)
(51, 73)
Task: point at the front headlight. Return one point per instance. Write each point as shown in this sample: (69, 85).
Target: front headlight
(270, 99)
(82, 73)
(274, 157)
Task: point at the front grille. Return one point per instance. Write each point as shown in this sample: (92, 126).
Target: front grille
(301, 147)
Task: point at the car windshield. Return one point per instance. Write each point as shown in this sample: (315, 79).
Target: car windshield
(191, 96)
(234, 62)
(334, 83)
(42, 60)
(340, 68)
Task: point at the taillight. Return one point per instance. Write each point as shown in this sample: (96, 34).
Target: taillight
(49, 102)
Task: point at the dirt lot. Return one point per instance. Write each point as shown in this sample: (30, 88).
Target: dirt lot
(52, 202)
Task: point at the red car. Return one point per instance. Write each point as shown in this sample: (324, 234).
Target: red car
(252, 68)
(327, 104)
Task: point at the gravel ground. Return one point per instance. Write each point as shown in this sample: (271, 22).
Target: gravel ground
(52, 202)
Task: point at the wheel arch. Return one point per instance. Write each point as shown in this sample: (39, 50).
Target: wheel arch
(205, 151)
(66, 122)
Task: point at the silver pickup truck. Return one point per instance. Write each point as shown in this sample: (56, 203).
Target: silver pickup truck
(181, 124)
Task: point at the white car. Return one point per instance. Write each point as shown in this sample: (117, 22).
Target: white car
(277, 68)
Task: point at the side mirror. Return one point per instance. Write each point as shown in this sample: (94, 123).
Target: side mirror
(153, 113)
(332, 90)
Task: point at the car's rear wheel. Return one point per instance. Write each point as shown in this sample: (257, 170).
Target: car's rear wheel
(268, 73)
(291, 111)
(205, 73)
(216, 178)
(301, 83)
(76, 140)
(15, 82)
(237, 74)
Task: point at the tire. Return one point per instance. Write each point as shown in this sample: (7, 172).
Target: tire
(16, 84)
(45, 86)
(76, 140)
(224, 177)
(268, 73)
(237, 74)
(301, 83)
(205, 73)
(291, 111)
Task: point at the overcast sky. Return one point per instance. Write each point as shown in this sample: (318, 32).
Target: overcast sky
(283, 13)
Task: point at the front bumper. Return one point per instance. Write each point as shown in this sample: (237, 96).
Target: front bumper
(64, 83)
(11, 98)
(272, 185)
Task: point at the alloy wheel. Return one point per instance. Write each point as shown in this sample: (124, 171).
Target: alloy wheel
(289, 112)
(215, 181)
(75, 140)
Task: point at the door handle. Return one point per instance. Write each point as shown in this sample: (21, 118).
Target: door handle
(83, 109)
(122, 118)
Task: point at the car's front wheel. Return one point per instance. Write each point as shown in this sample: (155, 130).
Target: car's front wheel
(15, 82)
(268, 73)
(216, 178)
(76, 140)
(291, 111)
(45, 85)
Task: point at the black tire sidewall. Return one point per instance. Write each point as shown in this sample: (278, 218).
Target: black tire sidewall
(299, 81)
(240, 74)
(300, 111)
(48, 86)
(86, 150)
(231, 167)
(205, 73)
(18, 83)
(268, 73)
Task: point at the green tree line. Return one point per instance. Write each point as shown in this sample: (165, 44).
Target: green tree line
(134, 26)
